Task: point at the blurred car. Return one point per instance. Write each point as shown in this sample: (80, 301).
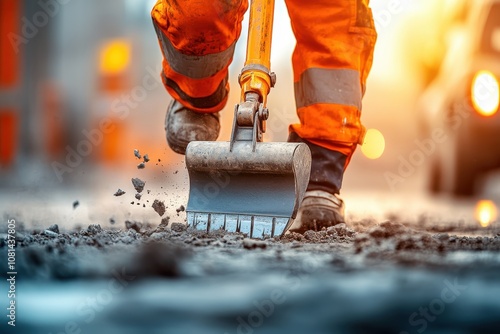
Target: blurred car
(459, 111)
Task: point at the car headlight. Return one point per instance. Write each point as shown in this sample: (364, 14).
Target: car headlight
(485, 93)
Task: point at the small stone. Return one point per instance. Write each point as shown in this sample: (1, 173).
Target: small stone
(19, 236)
(94, 228)
(119, 192)
(50, 234)
(127, 239)
(112, 221)
(75, 204)
(342, 230)
(180, 209)
(54, 228)
(132, 225)
(442, 236)
(253, 244)
(311, 236)
(138, 196)
(178, 227)
(158, 235)
(159, 207)
(146, 158)
(164, 222)
(141, 165)
(137, 154)
(138, 184)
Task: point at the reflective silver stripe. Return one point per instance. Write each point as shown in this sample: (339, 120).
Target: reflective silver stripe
(199, 102)
(320, 85)
(196, 67)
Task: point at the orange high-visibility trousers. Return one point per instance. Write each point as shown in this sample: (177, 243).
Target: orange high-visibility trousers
(331, 61)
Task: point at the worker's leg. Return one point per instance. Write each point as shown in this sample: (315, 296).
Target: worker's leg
(197, 39)
(331, 61)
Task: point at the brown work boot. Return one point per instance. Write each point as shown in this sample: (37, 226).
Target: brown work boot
(184, 126)
(318, 209)
(321, 207)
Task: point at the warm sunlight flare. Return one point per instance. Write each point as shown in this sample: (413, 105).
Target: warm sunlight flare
(115, 56)
(374, 144)
(485, 93)
(486, 212)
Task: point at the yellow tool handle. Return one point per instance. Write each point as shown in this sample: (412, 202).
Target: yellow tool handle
(260, 33)
(256, 76)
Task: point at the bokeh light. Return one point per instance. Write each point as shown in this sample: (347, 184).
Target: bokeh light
(374, 144)
(486, 212)
(485, 93)
(115, 56)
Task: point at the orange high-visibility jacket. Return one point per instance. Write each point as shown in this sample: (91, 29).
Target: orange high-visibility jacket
(331, 61)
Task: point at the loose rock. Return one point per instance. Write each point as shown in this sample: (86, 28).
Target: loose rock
(159, 207)
(178, 227)
(253, 244)
(180, 209)
(138, 184)
(133, 225)
(119, 192)
(54, 228)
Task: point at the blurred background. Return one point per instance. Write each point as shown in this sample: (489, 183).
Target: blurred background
(80, 90)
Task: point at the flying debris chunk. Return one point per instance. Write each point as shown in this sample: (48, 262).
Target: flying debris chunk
(137, 154)
(119, 192)
(180, 209)
(159, 207)
(138, 184)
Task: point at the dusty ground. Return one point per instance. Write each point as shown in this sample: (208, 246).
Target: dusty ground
(390, 276)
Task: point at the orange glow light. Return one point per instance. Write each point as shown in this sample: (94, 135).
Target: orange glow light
(374, 144)
(486, 212)
(114, 56)
(485, 93)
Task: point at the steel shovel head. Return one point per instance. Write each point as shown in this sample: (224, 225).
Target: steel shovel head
(256, 192)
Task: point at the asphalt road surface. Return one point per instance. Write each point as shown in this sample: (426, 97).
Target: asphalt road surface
(394, 268)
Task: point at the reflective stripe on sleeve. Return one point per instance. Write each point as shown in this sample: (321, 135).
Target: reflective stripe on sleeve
(336, 86)
(195, 67)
